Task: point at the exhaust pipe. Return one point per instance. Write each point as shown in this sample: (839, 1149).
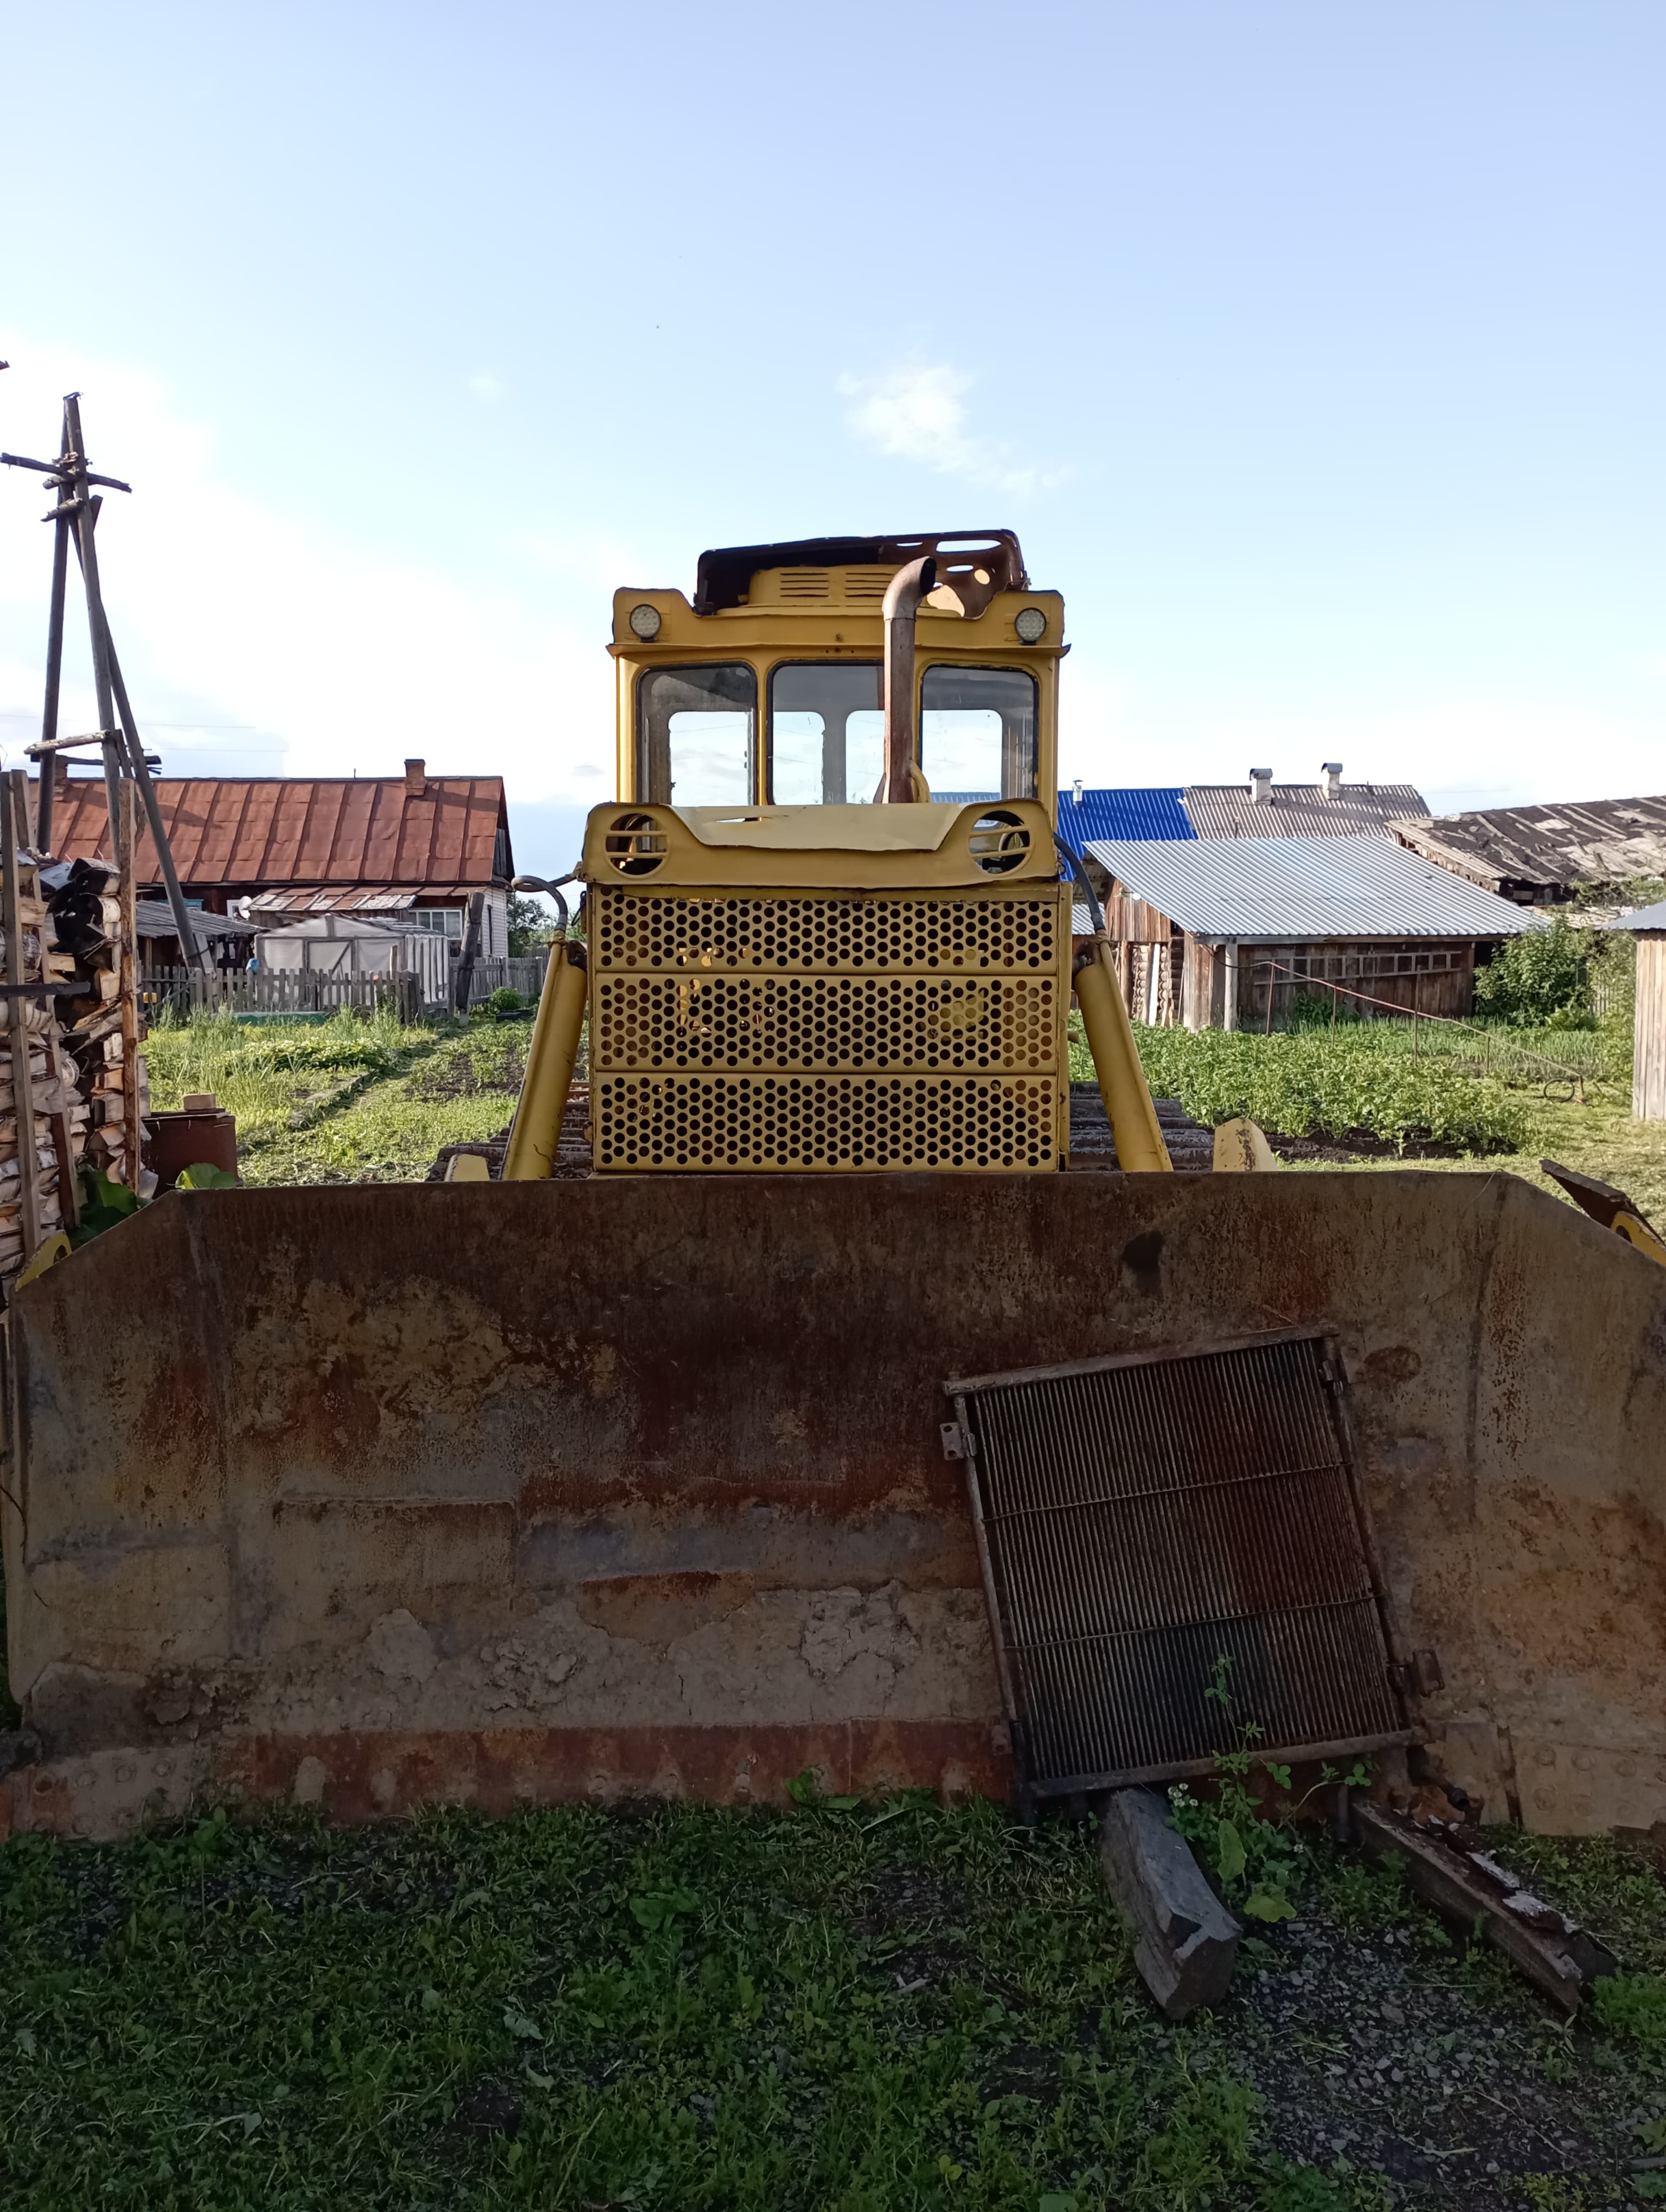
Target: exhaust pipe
(907, 588)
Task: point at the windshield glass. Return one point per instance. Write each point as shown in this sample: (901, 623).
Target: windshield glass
(827, 733)
(694, 735)
(977, 733)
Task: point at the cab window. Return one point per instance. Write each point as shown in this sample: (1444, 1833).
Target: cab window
(826, 734)
(696, 735)
(977, 733)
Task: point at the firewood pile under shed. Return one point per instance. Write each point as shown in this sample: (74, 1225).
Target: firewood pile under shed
(67, 943)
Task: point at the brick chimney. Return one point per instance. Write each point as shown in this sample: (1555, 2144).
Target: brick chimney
(416, 777)
(1330, 780)
(1261, 786)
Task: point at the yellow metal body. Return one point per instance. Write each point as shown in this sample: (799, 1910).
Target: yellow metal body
(1640, 1236)
(536, 1137)
(1241, 1148)
(1139, 1147)
(827, 990)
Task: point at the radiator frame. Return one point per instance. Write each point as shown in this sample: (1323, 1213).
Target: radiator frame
(1034, 1779)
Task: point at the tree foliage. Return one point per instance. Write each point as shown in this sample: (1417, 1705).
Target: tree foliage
(530, 925)
(1541, 979)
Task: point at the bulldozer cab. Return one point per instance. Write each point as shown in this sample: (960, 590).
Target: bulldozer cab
(767, 690)
(823, 924)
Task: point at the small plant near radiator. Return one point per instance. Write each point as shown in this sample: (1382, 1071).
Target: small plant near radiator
(1255, 1860)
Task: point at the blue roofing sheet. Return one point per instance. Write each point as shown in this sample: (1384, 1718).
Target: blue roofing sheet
(1137, 813)
(1291, 889)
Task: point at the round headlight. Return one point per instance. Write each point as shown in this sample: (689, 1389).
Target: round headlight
(1032, 625)
(645, 621)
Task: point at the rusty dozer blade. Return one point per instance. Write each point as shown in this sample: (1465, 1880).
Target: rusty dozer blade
(497, 1493)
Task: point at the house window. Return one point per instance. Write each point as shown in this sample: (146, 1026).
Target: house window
(443, 921)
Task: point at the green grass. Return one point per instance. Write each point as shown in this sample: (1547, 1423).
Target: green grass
(343, 1100)
(852, 2006)
(1375, 1080)
(352, 1100)
(678, 2007)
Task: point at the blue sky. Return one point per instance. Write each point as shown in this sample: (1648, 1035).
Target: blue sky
(1315, 353)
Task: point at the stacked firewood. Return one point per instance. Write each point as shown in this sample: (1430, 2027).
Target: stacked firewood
(103, 1030)
(60, 1114)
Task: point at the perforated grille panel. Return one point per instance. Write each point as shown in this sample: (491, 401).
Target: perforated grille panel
(743, 1032)
(641, 932)
(815, 1123)
(1156, 1525)
(810, 1023)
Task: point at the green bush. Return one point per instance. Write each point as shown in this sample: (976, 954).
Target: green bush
(1543, 976)
(502, 1005)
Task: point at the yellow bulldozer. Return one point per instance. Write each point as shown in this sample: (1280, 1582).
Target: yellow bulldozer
(824, 1411)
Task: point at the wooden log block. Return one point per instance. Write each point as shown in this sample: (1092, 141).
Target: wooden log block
(1185, 1942)
(1470, 1891)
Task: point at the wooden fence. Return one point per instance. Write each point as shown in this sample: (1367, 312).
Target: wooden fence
(185, 990)
(306, 991)
(525, 975)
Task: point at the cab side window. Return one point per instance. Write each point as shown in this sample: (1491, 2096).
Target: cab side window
(977, 733)
(696, 735)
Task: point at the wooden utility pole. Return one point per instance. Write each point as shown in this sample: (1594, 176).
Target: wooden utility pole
(470, 954)
(75, 515)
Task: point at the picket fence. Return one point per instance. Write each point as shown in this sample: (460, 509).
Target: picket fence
(185, 990)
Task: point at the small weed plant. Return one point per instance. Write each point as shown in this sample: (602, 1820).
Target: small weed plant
(1255, 1861)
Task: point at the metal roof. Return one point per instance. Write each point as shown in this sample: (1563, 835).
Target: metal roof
(1296, 809)
(250, 830)
(154, 917)
(1646, 917)
(1131, 813)
(1293, 889)
(1549, 847)
(373, 898)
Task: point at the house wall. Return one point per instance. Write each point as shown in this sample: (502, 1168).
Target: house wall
(1649, 1063)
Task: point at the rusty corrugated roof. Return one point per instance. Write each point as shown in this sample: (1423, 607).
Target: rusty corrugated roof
(1545, 847)
(248, 831)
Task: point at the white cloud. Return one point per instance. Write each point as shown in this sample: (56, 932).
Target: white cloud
(918, 413)
(486, 384)
(330, 657)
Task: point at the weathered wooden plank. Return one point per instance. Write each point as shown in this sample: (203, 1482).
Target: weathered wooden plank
(1649, 1050)
(1473, 1893)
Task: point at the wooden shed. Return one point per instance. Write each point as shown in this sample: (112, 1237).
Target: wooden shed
(1231, 933)
(1648, 925)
